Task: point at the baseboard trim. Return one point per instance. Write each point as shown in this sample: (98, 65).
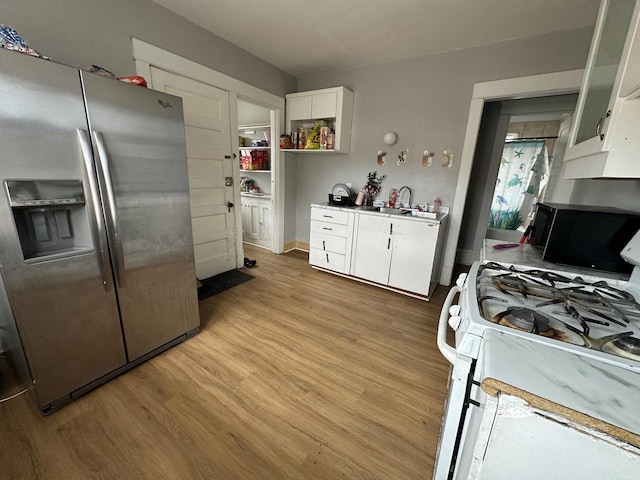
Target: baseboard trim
(295, 245)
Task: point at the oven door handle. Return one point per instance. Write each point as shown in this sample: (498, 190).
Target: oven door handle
(447, 350)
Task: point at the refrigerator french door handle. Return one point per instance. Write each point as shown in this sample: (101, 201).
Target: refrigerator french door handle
(103, 160)
(97, 226)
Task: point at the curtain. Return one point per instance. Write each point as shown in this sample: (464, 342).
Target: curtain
(523, 173)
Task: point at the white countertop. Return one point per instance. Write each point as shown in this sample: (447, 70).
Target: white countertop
(527, 255)
(444, 213)
(602, 391)
(266, 196)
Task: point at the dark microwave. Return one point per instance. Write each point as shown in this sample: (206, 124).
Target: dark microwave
(584, 235)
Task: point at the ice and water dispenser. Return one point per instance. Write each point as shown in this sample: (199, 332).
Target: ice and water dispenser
(50, 217)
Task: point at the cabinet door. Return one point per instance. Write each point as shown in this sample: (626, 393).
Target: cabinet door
(372, 255)
(265, 222)
(412, 263)
(246, 219)
(324, 105)
(250, 221)
(299, 108)
(603, 71)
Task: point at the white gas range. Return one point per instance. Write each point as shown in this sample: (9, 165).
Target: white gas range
(546, 351)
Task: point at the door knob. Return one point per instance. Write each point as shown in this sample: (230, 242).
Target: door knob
(229, 206)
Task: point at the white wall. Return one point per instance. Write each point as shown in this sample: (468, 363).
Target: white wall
(85, 32)
(426, 101)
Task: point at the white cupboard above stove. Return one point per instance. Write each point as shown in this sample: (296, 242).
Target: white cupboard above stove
(605, 138)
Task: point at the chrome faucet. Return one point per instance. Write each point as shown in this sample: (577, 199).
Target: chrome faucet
(402, 195)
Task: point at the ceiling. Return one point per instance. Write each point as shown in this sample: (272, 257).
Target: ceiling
(306, 37)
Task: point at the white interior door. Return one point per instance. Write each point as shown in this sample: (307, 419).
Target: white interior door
(208, 135)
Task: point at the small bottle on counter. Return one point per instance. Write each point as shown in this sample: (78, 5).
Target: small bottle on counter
(436, 205)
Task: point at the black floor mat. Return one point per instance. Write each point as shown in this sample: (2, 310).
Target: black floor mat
(219, 283)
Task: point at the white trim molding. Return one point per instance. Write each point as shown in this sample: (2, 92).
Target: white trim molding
(173, 63)
(511, 88)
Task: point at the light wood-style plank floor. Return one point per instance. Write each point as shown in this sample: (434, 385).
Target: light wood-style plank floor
(297, 374)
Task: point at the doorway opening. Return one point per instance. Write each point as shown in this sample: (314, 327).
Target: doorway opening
(534, 86)
(257, 177)
(523, 156)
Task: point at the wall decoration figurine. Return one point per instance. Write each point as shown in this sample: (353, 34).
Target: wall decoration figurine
(381, 157)
(427, 158)
(402, 158)
(447, 158)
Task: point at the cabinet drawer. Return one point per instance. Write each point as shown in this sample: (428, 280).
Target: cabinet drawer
(328, 243)
(328, 260)
(329, 228)
(423, 229)
(330, 215)
(375, 222)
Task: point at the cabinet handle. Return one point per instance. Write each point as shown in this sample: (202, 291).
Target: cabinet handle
(391, 229)
(389, 244)
(327, 216)
(327, 228)
(324, 247)
(327, 257)
(601, 124)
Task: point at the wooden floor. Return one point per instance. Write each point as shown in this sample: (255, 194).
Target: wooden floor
(297, 374)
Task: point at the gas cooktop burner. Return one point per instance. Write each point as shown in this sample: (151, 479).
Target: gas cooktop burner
(584, 311)
(625, 345)
(526, 319)
(628, 344)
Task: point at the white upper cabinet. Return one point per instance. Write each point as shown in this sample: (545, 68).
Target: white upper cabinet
(332, 104)
(305, 107)
(605, 137)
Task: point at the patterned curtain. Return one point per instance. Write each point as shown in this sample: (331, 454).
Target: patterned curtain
(524, 170)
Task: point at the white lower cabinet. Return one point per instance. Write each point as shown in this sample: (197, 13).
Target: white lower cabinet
(372, 255)
(256, 221)
(397, 252)
(412, 263)
(330, 240)
(394, 252)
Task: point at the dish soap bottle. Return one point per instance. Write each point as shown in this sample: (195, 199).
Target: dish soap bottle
(436, 205)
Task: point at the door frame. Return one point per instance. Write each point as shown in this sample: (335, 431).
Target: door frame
(146, 55)
(508, 89)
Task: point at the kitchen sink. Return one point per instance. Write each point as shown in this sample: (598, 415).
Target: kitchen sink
(365, 208)
(393, 211)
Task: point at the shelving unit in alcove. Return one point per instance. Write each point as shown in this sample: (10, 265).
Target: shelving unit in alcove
(256, 207)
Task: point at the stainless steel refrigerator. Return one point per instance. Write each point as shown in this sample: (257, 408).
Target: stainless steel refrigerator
(95, 232)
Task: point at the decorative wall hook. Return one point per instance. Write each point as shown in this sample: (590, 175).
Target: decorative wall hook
(402, 158)
(427, 158)
(447, 158)
(381, 157)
